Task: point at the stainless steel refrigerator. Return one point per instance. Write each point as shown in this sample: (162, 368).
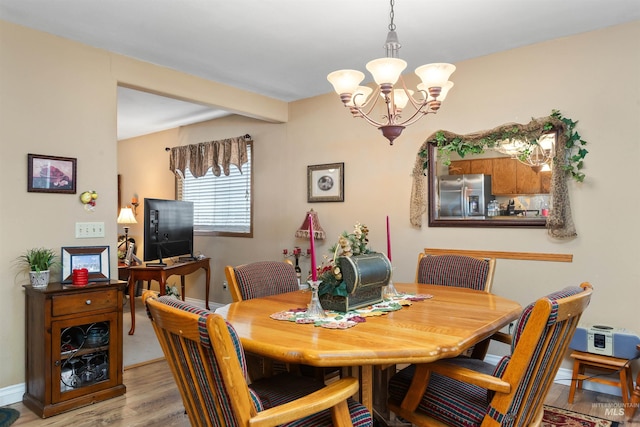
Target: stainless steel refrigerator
(464, 196)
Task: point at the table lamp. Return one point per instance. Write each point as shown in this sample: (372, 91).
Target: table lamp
(126, 217)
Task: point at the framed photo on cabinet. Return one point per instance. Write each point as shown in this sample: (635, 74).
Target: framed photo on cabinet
(94, 258)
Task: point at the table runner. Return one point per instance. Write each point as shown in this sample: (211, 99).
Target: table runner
(341, 320)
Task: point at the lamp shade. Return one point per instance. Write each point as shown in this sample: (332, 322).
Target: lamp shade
(345, 81)
(126, 216)
(443, 91)
(303, 230)
(386, 70)
(360, 96)
(435, 75)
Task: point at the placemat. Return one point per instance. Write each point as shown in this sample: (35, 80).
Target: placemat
(340, 320)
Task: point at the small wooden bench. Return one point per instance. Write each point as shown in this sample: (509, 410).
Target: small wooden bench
(607, 364)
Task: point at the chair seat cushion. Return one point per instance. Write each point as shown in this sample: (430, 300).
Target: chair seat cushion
(447, 400)
(283, 388)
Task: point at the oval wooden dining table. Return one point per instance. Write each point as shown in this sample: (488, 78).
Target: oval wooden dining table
(443, 326)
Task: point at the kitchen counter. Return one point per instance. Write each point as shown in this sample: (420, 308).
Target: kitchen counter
(516, 217)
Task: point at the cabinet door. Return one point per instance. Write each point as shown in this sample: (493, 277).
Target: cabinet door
(84, 355)
(503, 180)
(527, 181)
(545, 182)
(460, 167)
(484, 166)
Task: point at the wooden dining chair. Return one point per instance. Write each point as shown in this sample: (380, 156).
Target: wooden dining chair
(635, 397)
(437, 267)
(468, 392)
(260, 279)
(207, 361)
(440, 268)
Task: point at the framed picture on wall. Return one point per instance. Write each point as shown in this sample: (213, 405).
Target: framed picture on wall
(51, 174)
(325, 183)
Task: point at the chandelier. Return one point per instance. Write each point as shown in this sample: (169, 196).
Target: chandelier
(386, 73)
(536, 154)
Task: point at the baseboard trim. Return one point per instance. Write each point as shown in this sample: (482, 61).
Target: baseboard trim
(12, 394)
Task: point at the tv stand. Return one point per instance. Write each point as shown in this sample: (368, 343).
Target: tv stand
(161, 273)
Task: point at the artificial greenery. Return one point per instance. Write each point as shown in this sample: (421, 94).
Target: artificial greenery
(447, 142)
(38, 259)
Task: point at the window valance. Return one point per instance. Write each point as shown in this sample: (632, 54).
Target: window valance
(218, 155)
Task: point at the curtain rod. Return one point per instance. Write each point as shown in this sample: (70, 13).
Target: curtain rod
(246, 136)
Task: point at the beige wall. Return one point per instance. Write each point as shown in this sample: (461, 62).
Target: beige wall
(58, 98)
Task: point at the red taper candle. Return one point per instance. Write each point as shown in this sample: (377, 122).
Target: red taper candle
(314, 270)
(388, 240)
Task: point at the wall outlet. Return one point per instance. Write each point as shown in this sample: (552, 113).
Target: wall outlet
(225, 285)
(88, 230)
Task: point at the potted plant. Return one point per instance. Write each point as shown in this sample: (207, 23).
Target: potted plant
(39, 262)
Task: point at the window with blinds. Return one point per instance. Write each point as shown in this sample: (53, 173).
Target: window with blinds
(222, 205)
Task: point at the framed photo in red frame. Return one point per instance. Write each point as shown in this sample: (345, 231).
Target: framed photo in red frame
(51, 174)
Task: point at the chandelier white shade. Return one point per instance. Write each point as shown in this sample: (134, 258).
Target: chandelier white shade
(536, 154)
(387, 74)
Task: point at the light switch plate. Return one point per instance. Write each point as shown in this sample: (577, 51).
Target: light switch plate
(88, 230)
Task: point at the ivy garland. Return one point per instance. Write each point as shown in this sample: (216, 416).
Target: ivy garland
(447, 142)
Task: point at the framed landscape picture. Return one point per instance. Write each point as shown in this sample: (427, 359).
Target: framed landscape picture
(325, 183)
(51, 174)
(94, 258)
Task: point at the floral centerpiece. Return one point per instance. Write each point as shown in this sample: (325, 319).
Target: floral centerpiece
(349, 244)
(354, 275)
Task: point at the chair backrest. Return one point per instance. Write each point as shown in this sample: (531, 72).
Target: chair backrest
(194, 342)
(540, 342)
(455, 270)
(261, 279)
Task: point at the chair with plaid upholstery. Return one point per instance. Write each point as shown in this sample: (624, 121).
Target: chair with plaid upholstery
(631, 409)
(208, 365)
(455, 270)
(260, 279)
(468, 392)
(437, 267)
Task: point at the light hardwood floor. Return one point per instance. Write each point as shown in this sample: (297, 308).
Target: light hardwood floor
(152, 399)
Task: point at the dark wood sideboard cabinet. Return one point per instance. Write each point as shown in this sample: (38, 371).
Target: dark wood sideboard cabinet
(73, 346)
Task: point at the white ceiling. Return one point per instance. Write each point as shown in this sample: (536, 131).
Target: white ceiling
(285, 48)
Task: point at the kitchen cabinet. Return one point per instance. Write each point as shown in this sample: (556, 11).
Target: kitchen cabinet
(504, 179)
(527, 181)
(508, 176)
(73, 346)
(484, 166)
(460, 167)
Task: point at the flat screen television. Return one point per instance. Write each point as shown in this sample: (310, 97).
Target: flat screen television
(168, 230)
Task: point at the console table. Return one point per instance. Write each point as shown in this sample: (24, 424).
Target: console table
(161, 273)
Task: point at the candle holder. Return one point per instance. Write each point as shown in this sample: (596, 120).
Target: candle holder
(390, 292)
(314, 309)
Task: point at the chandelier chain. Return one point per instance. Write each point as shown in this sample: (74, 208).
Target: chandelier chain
(392, 26)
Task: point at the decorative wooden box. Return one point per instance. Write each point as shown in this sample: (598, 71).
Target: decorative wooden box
(365, 276)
